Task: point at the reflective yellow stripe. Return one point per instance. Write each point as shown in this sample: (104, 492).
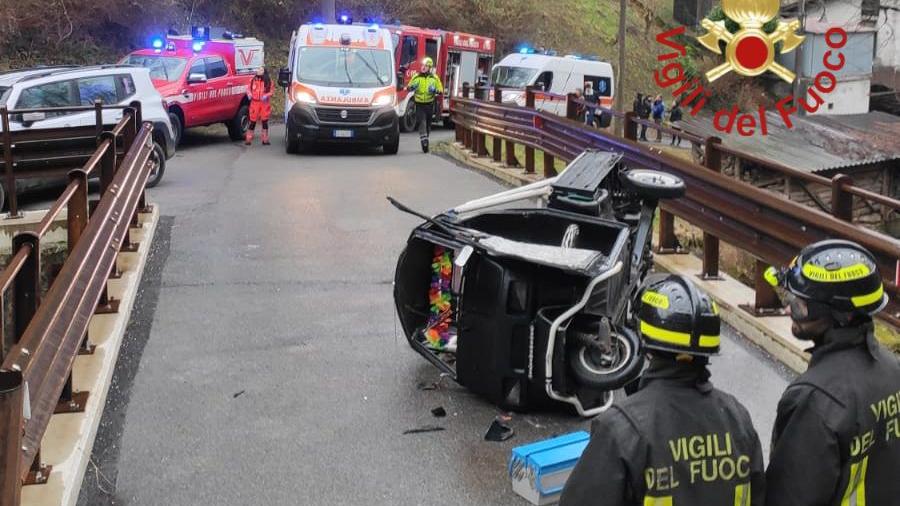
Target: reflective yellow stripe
(856, 489)
(865, 300)
(679, 338)
(715, 307)
(742, 495)
(823, 275)
(658, 501)
(709, 341)
(655, 299)
(771, 276)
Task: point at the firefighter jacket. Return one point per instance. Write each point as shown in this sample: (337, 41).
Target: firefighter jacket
(426, 86)
(836, 440)
(676, 442)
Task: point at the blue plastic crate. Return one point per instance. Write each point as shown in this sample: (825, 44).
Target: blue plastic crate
(539, 470)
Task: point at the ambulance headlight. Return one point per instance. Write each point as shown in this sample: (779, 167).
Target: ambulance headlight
(304, 97)
(383, 100)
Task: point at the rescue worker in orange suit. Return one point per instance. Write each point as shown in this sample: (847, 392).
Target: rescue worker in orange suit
(677, 441)
(260, 94)
(836, 439)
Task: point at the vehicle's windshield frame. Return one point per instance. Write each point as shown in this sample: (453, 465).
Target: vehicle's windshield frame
(381, 75)
(495, 76)
(182, 66)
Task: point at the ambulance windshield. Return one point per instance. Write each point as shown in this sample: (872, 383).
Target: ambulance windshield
(341, 66)
(162, 68)
(513, 77)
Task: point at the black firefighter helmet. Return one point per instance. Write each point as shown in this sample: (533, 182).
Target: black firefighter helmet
(841, 275)
(675, 316)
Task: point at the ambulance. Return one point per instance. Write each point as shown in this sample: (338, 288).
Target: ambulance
(341, 87)
(555, 75)
(203, 77)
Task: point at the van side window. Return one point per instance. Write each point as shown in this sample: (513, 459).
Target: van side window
(215, 67)
(125, 86)
(546, 78)
(409, 51)
(101, 88)
(58, 94)
(602, 85)
(198, 68)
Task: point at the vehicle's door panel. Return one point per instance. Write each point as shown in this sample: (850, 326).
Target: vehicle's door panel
(221, 101)
(55, 94)
(195, 96)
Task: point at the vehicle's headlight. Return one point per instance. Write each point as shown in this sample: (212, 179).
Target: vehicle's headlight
(383, 100)
(305, 97)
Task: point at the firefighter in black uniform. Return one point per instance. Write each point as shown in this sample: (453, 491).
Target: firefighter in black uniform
(836, 440)
(677, 441)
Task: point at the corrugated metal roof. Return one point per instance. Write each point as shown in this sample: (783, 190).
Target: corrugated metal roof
(815, 143)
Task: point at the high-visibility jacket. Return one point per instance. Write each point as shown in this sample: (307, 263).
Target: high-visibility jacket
(836, 440)
(260, 100)
(676, 442)
(426, 86)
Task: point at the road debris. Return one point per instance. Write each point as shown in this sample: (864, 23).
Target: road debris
(439, 412)
(499, 431)
(423, 429)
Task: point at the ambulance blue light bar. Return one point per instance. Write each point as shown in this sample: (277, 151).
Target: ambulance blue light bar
(197, 46)
(345, 19)
(157, 43)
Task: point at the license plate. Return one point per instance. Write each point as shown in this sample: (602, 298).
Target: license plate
(343, 134)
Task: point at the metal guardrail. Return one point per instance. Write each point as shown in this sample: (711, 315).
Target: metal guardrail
(50, 330)
(766, 224)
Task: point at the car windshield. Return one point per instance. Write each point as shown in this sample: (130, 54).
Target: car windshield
(513, 77)
(163, 68)
(4, 94)
(342, 66)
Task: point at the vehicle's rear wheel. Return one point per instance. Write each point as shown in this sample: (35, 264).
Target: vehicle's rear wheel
(654, 184)
(238, 125)
(610, 368)
(177, 127)
(158, 165)
(291, 141)
(408, 122)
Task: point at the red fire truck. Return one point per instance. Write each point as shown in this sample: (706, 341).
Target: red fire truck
(203, 77)
(458, 58)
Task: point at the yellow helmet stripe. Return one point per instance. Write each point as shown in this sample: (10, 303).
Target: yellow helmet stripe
(655, 299)
(872, 298)
(771, 276)
(823, 275)
(677, 338)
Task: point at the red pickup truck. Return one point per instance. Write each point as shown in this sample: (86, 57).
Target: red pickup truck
(203, 80)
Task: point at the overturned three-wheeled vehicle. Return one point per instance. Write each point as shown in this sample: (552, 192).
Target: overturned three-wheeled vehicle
(531, 307)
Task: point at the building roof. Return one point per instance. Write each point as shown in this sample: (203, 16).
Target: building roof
(815, 143)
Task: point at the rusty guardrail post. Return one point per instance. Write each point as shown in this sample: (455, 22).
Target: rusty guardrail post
(529, 151)
(11, 411)
(571, 107)
(98, 116)
(498, 143)
(766, 301)
(11, 192)
(467, 133)
(76, 220)
(27, 284)
(108, 161)
(549, 165)
(713, 161)
(131, 130)
(630, 126)
(480, 138)
(841, 201)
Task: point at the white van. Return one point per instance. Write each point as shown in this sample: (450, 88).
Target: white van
(341, 87)
(558, 75)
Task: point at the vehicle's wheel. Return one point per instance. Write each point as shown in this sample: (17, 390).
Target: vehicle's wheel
(408, 122)
(177, 127)
(291, 141)
(609, 369)
(653, 183)
(158, 165)
(392, 146)
(238, 125)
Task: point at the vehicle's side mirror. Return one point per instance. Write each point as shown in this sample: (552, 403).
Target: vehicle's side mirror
(284, 77)
(29, 118)
(400, 80)
(196, 78)
(540, 85)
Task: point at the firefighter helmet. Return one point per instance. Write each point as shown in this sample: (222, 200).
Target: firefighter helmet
(675, 316)
(842, 275)
(428, 62)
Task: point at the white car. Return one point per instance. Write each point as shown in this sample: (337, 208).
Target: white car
(69, 86)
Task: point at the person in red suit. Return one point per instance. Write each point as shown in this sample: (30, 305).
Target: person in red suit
(260, 94)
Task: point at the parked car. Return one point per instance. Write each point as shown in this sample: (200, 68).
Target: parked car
(68, 86)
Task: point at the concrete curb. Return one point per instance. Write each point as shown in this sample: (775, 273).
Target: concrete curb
(69, 438)
(772, 334)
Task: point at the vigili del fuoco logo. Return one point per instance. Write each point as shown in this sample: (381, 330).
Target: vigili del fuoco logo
(749, 52)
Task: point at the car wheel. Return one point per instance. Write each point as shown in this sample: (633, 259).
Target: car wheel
(158, 165)
(238, 125)
(177, 127)
(408, 122)
(610, 369)
(392, 146)
(291, 141)
(653, 183)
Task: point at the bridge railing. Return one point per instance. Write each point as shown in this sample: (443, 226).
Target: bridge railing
(766, 224)
(49, 330)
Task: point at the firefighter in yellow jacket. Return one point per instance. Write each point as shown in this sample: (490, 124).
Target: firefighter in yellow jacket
(426, 87)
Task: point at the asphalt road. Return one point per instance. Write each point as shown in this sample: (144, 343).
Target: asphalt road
(264, 364)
